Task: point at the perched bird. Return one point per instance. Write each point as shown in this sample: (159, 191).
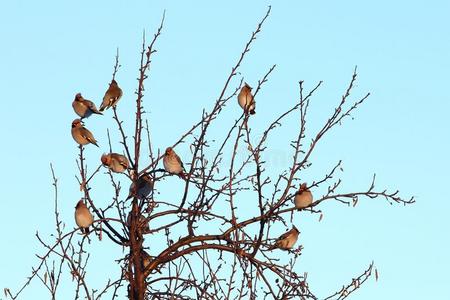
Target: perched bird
(117, 163)
(81, 135)
(146, 258)
(142, 188)
(303, 197)
(83, 217)
(112, 96)
(173, 164)
(83, 107)
(142, 223)
(287, 240)
(245, 99)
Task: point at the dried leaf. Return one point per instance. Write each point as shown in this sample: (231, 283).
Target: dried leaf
(45, 277)
(74, 274)
(321, 217)
(376, 275)
(82, 185)
(249, 284)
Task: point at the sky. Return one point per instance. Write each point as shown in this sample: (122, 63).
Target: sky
(51, 50)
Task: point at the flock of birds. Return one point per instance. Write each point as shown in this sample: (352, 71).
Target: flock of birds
(119, 163)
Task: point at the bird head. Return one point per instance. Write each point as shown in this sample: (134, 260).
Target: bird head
(295, 228)
(146, 178)
(76, 123)
(113, 82)
(247, 86)
(79, 203)
(169, 151)
(105, 159)
(78, 97)
(303, 187)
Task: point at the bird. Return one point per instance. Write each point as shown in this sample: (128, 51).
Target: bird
(83, 107)
(146, 258)
(117, 163)
(112, 96)
(287, 240)
(303, 197)
(142, 223)
(141, 188)
(81, 135)
(83, 217)
(173, 164)
(245, 99)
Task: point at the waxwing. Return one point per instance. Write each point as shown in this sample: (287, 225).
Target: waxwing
(81, 135)
(245, 99)
(112, 96)
(303, 197)
(83, 107)
(287, 240)
(173, 164)
(83, 217)
(117, 163)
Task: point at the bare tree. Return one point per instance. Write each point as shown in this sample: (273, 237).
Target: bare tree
(215, 245)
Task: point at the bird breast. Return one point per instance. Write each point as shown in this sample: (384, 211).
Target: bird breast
(288, 242)
(78, 137)
(245, 99)
(81, 109)
(83, 218)
(172, 165)
(303, 199)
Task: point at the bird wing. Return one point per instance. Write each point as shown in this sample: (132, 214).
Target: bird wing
(92, 106)
(179, 161)
(143, 182)
(108, 99)
(116, 94)
(105, 102)
(285, 235)
(88, 135)
(123, 161)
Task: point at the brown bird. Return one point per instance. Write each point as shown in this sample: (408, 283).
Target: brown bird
(146, 260)
(303, 197)
(143, 187)
(83, 107)
(142, 223)
(287, 240)
(117, 163)
(83, 217)
(81, 135)
(112, 96)
(173, 164)
(245, 99)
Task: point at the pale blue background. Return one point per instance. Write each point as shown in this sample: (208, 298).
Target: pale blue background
(51, 50)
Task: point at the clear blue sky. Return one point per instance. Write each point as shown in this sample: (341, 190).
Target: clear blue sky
(54, 49)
